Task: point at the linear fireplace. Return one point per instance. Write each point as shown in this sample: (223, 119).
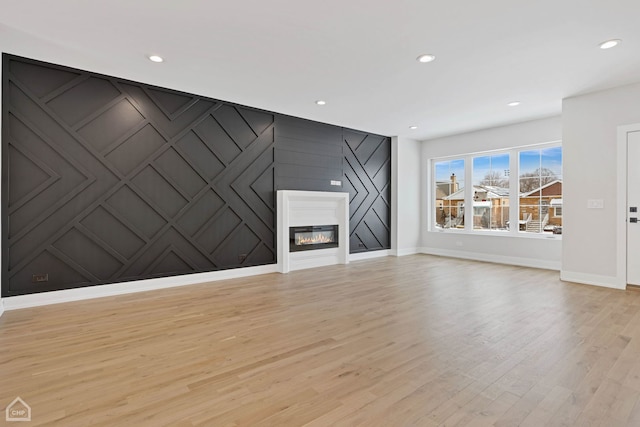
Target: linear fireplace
(313, 237)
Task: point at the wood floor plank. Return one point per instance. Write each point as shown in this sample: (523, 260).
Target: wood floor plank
(396, 341)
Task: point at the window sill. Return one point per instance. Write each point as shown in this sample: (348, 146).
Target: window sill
(509, 234)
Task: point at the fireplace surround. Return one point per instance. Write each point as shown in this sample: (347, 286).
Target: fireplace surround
(313, 210)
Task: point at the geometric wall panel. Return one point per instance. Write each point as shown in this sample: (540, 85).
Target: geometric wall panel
(107, 180)
(309, 155)
(367, 170)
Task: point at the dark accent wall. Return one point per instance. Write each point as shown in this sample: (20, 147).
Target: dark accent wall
(367, 178)
(309, 155)
(107, 180)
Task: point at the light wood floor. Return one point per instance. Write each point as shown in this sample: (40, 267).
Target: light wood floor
(417, 340)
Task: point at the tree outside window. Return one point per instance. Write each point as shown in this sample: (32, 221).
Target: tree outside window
(449, 192)
(491, 192)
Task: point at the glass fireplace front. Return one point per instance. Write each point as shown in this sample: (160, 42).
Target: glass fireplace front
(313, 237)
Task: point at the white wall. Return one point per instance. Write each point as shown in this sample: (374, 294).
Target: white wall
(589, 253)
(526, 250)
(405, 195)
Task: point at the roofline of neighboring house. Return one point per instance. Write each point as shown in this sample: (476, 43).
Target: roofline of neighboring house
(480, 187)
(541, 188)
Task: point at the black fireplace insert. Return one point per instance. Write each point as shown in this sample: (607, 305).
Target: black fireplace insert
(313, 237)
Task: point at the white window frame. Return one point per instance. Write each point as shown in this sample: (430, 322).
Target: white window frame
(555, 211)
(514, 199)
(435, 210)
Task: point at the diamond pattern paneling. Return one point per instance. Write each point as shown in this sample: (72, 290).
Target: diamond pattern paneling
(367, 172)
(104, 226)
(111, 125)
(199, 156)
(110, 180)
(94, 92)
(30, 165)
(135, 213)
(107, 180)
(135, 149)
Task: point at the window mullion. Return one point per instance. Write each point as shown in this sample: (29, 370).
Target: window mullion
(468, 193)
(514, 187)
(447, 199)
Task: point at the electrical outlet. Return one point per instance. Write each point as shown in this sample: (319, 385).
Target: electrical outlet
(336, 183)
(361, 245)
(242, 257)
(39, 278)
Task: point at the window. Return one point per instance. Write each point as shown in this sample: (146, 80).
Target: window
(491, 192)
(515, 191)
(540, 184)
(449, 194)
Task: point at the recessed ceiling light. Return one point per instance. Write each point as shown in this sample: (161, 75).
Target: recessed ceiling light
(514, 104)
(609, 44)
(413, 127)
(156, 58)
(321, 102)
(427, 57)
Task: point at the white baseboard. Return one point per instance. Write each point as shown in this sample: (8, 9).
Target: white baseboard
(406, 251)
(68, 295)
(369, 255)
(499, 259)
(592, 279)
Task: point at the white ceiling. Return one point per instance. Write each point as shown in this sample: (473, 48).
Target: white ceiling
(359, 56)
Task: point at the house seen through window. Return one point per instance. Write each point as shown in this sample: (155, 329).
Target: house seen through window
(449, 189)
(491, 192)
(541, 189)
(514, 191)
